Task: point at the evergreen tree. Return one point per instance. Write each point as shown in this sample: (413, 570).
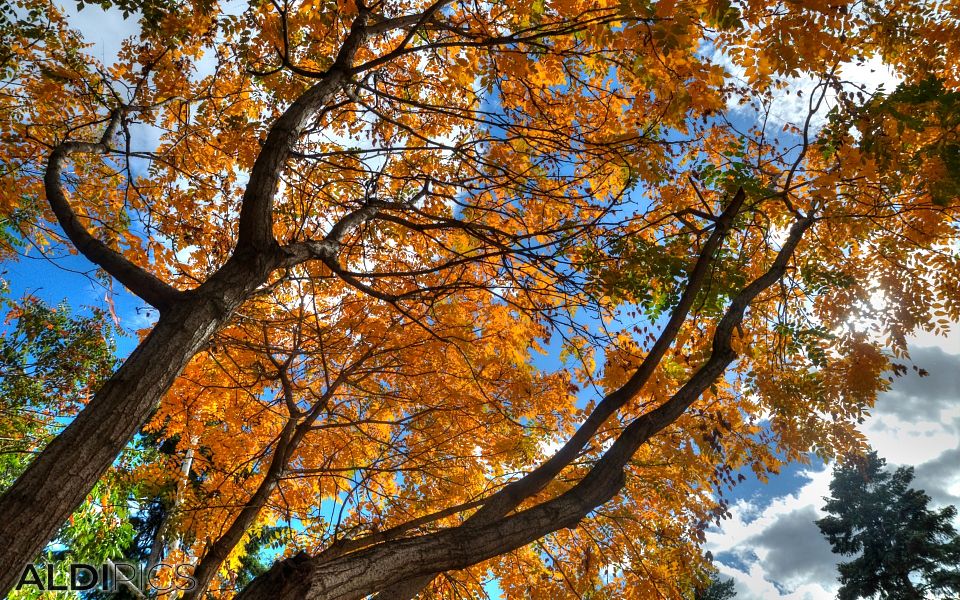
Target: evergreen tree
(718, 589)
(905, 550)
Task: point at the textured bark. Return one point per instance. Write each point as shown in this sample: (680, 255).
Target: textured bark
(59, 479)
(61, 476)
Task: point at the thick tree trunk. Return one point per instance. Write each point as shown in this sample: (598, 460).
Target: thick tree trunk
(59, 479)
(54, 484)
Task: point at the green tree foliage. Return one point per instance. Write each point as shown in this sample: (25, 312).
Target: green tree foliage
(718, 589)
(905, 550)
(50, 363)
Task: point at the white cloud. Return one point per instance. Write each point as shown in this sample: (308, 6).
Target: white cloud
(753, 585)
(763, 547)
(928, 339)
(792, 103)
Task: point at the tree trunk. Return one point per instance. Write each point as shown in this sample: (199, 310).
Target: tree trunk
(59, 479)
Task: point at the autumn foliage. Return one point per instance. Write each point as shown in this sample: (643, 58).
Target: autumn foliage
(507, 292)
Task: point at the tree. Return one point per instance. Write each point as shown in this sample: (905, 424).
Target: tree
(50, 363)
(717, 589)
(363, 225)
(905, 549)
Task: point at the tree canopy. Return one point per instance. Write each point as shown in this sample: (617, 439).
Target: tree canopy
(454, 292)
(717, 589)
(903, 549)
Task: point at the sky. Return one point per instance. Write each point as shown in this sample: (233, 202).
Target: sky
(770, 547)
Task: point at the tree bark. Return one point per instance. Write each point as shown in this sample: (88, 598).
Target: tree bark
(59, 479)
(61, 476)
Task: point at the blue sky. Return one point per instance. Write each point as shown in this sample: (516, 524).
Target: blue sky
(71, 278)
(770, 547)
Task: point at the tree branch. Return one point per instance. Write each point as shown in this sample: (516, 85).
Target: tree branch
(144, 284)
(401, 563)
(513, 494)
(256, 210)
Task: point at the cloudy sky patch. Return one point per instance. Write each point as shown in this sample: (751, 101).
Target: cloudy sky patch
(771, 546)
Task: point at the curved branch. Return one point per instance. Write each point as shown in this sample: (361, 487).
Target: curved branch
(513, 494)
(139, 281)
(256, 211)
(401, 563)
(295, 429)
